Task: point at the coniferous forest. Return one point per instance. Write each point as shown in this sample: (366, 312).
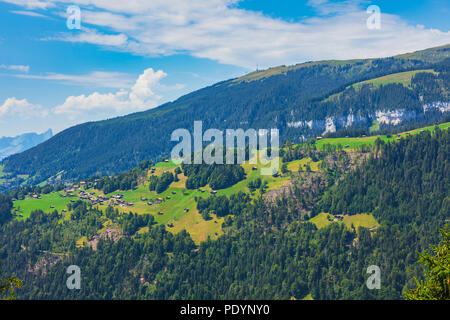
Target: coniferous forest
(268, 250)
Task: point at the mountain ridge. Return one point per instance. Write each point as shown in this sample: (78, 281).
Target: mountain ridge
(23, 142)
(118, 144)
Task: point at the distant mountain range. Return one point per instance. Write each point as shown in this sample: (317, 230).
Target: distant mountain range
(303, 101)
(20, 143)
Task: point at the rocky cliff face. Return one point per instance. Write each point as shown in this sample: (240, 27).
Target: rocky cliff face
(441, 106)
(391, 117)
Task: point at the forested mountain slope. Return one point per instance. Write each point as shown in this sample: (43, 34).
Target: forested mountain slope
(296, 100)
(268, 250)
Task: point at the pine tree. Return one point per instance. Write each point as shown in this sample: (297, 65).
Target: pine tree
(437, 283)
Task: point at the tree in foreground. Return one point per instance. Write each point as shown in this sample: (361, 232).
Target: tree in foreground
(8, 287)
(437, 275)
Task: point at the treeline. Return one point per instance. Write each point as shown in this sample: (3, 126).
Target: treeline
(218, 176)
(5, 208)
(162, 183)
(124, 181)
(257, 184)
(292, 152)
(416, 167)
(223, 205)
(20, 193)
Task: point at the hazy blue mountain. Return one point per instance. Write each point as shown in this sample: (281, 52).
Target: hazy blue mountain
(20, 143)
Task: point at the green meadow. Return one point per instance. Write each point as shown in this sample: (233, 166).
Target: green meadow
(322, 220)
(403, 78)
(302, 164)
(354, 143)
(178, 211)
(25, 207)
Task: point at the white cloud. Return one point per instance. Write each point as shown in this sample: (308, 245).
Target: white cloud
(144, 93)
(327, 7)
(15, 68)
(142, 96)
(108, 19)
(142, 89)
(218, 30)
(32, 4)
(93, 37)
(29, 13)
(13, 107)
(94, 79)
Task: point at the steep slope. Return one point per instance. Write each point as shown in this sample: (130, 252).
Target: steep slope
(266, 251)
(178, 208)
(288, 98)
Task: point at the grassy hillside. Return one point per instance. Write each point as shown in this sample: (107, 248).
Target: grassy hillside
(430, 55)
(283, 70)
(178, 209)
(403, 78)
(354, 143)
(358, 220)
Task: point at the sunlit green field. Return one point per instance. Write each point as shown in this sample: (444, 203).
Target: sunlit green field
(354, 143)
(25, 207)
(357, 220)
(301, 165)
(403, 78)
(171, 211)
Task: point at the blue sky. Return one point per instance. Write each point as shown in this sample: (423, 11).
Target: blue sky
(135, 55)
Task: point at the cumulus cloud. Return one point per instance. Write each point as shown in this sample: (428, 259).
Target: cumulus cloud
(218, 30)
(142, 95)
(13, 107)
